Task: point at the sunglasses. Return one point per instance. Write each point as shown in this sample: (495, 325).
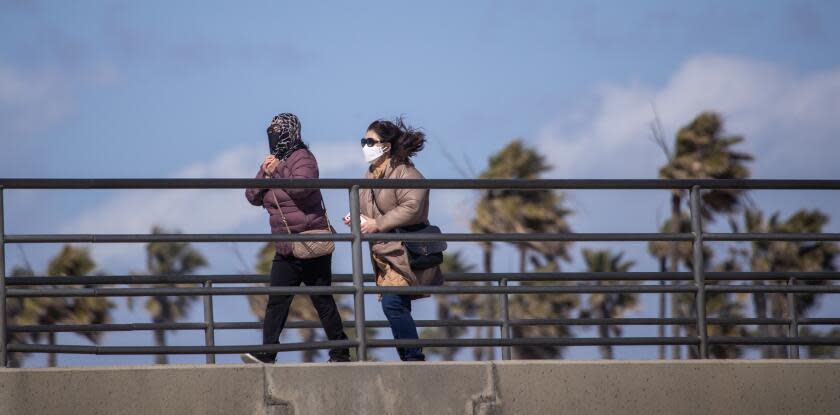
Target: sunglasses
(369, 142)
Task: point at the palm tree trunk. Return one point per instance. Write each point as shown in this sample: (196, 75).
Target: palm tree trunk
(160, 335)
(446, 353)
(760, 305)
(604, 331)
(778, 309)
(480, 353)
(160, 340)
(52, 360)
(523, 256)
(676, 202)
(15, 360)
(308, 336)
(661, 328)
(490, 352)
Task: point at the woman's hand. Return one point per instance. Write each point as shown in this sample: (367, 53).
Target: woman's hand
(346, 219)
(264, 164)
(270, 164)
(368, 225)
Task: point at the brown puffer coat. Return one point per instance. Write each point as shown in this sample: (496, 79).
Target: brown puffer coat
(303, 208)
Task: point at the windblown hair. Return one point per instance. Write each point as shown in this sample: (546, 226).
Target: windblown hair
(405, 140)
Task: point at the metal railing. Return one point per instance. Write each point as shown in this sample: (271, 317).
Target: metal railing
(682, 282)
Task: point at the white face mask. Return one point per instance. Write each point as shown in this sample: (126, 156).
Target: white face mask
(372, 153)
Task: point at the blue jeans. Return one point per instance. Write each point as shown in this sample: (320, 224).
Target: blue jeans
(397, 309)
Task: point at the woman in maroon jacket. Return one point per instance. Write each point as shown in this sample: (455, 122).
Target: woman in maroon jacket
(303, 210)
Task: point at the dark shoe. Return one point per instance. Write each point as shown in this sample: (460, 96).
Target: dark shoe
(412, 355)
(256, 358)
(339, 359)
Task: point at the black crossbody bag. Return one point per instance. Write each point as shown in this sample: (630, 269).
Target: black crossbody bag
(421, 254)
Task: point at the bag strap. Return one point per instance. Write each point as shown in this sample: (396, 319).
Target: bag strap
(282, 216)
(326, 215)
(375, 205)
(279, 209)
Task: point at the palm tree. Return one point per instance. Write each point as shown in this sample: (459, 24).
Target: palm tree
(821, 351)
(75, 262)
(518, 211)
(522, 211)
(786, 256)
(453, 307)
(70, 261)
(723, 305)
(170, 258)
(682, 304)
(20, 312)
(538, 306)
(662, 251)
(701, 151)
(607, 305)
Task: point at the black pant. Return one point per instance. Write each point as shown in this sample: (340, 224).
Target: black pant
(291, 272)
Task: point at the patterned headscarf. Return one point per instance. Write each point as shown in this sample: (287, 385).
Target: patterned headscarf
(284, 135)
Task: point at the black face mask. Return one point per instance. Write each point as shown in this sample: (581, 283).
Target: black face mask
(282, 147)
(273, 143)
(284, 136)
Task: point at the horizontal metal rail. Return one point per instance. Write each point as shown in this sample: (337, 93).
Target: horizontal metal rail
(449, 277)
(174, 291)
(780, 341)
(178, 237)
(254, 325)
(776, 236)
(503, 184)
(337, 289)
(577, 341)
(451, 237)
(131, 350)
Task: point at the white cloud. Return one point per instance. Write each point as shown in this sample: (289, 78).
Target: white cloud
(789, 121)
(34, 99)
(339, 156)
(193, 210)
(29, 100)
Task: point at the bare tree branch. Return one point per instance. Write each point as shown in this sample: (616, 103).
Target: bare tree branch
(245, 268)
(453, 162)
(25, 260)
(658, 134)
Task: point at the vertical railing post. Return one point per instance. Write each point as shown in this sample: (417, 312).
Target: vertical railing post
(3, 352)
(505, 319)
(209, 324)
(699, 274)
(793, 329)
(358, 277)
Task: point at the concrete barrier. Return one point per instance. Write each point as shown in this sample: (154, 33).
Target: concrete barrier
(133, 390)
(665, 387)
(487, 388)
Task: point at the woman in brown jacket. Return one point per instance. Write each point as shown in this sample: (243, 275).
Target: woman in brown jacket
(388, 147)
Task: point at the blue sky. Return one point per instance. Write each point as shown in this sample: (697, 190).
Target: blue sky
(122, 89)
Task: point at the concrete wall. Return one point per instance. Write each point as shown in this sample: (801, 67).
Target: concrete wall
(538, 387)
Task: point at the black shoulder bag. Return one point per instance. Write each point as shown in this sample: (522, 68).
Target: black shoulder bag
(421, 254)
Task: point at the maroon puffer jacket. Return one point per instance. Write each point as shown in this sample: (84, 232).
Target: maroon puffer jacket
(303, 208)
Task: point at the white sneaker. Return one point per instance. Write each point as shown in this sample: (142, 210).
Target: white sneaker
(249, 358)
